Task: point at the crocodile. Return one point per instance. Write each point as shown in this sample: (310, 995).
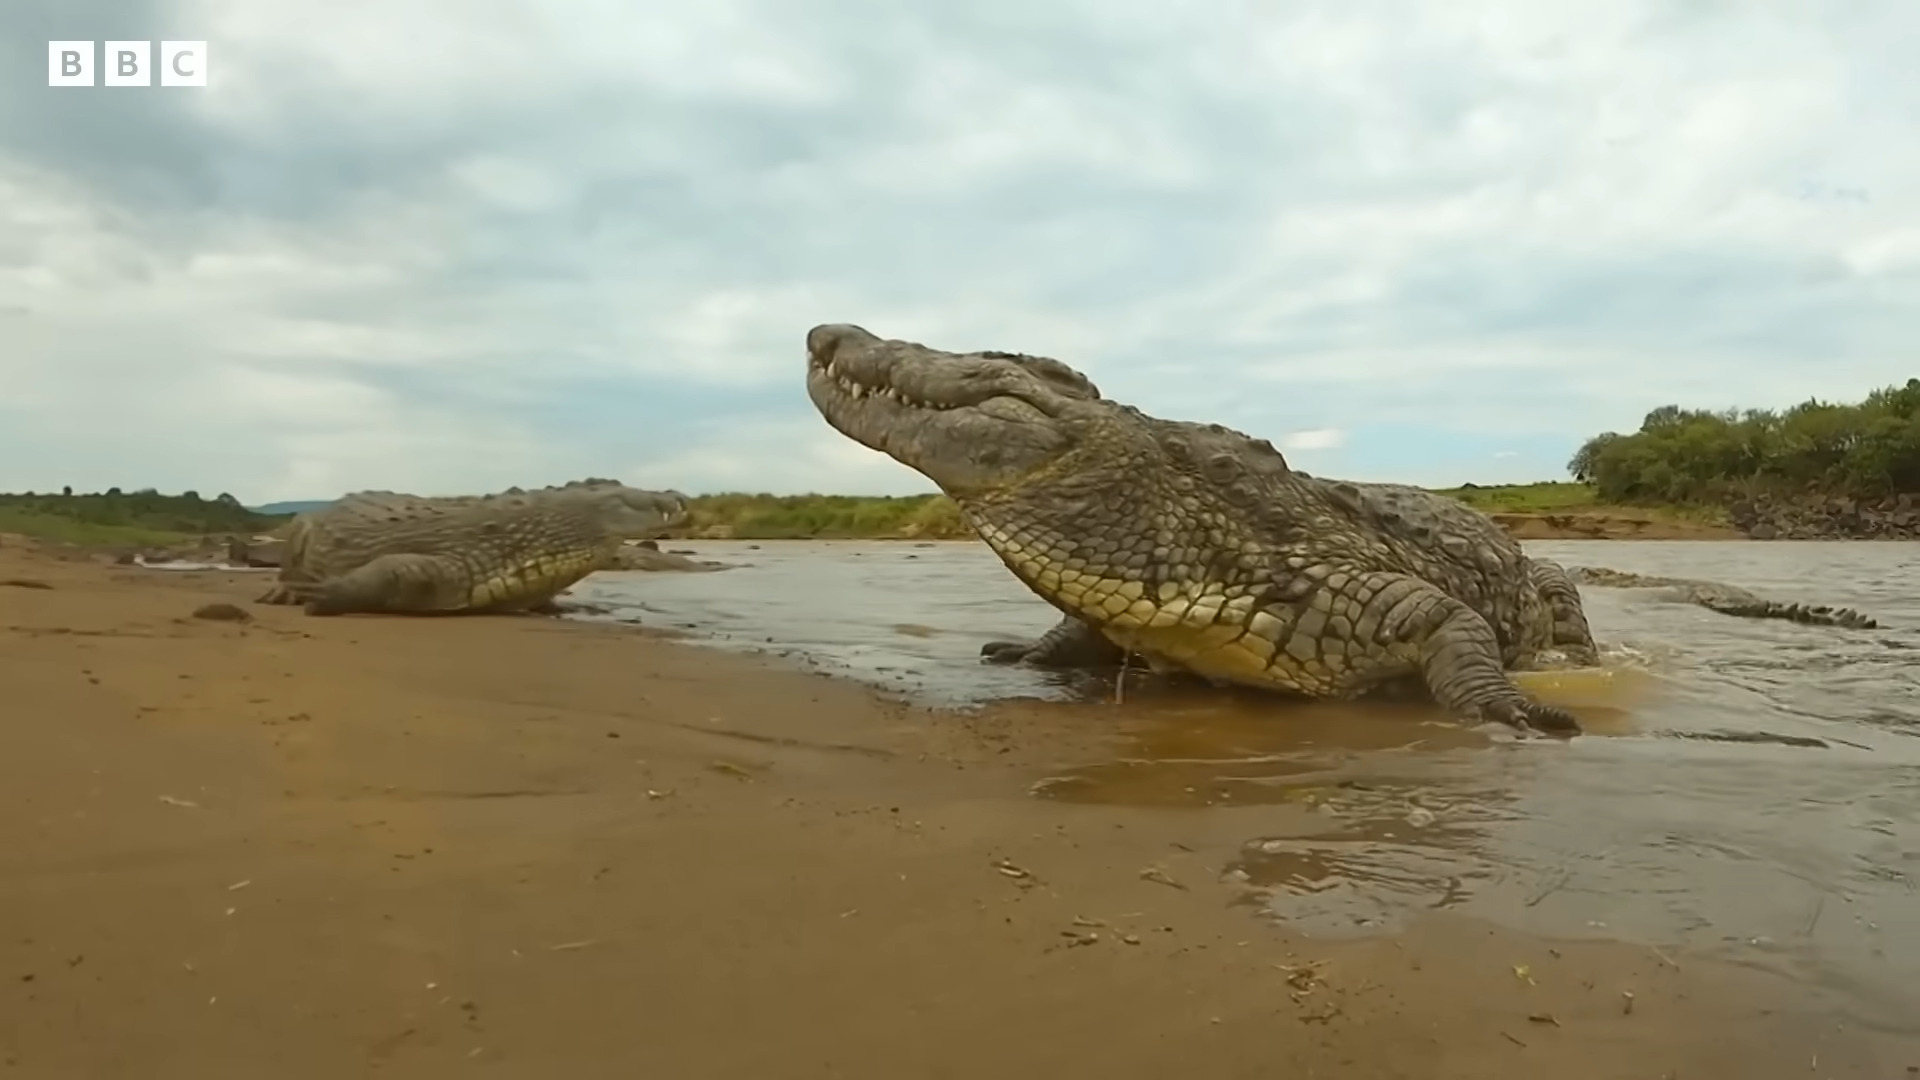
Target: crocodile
(1723, 598)
(1198, 548)
(385, 551)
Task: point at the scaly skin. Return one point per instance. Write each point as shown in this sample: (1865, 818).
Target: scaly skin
(1198, 548)
(381, 551)
(1726, 599)
(1552, 624)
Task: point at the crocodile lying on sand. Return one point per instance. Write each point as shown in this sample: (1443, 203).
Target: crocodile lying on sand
(1197, 547)
(1726, 599)
(382, 551)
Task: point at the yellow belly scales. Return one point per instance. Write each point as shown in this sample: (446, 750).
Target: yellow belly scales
(1210, 630)
(541, 576)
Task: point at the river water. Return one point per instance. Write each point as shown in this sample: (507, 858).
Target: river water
(1804, 859)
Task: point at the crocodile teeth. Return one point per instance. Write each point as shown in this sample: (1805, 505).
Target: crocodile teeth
(858, 390)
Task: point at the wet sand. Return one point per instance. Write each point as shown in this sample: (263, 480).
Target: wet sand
(520, 847)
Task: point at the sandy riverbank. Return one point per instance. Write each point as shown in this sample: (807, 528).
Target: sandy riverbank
(516, 847)
(1612, 526)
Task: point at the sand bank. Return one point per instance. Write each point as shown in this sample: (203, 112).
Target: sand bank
(513, 847)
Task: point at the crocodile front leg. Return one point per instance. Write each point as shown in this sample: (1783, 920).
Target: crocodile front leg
(289, 591)
(1070, 644)
(414, 584)
(1458, 653)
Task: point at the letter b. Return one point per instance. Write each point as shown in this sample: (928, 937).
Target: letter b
(129, 63)
(69, 63)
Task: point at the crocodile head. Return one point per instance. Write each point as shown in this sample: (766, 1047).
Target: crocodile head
(633, 513)
(976, 424)
(1120, 519)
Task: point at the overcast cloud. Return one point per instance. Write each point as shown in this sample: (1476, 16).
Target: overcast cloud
(456, 245)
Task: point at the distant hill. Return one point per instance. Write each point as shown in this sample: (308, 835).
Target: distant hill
(136, 518)
(297, 506)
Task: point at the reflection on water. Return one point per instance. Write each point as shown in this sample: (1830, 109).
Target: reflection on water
(908, 616)
(1798, 857)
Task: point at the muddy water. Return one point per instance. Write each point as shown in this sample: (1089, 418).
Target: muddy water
(1800, 858)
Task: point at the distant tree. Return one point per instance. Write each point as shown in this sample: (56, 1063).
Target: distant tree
(1582, 463)
(1866, 450)
(66, 492)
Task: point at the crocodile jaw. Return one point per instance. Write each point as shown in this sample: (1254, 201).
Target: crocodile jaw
(970, 422)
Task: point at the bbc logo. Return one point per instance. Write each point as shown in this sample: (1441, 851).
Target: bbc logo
(127, 63)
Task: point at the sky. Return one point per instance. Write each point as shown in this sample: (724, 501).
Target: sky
(449, 246)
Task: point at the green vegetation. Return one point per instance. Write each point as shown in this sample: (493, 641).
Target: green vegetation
(787, 517)
(138, 519)
(1681, 463)
(1548, 497)
(1867, 450)
(147, 519)
(935, 517)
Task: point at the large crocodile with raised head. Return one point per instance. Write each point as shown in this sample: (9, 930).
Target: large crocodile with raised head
(1197, 547)
(383, 551)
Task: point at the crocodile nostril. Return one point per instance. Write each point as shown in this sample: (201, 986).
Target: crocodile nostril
(821, 343)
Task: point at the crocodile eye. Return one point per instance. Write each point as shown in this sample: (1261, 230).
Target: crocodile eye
(1222, 468)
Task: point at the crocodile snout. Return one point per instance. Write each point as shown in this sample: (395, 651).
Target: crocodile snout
(824, 341)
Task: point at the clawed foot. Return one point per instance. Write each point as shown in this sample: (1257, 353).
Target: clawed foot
(1530, 715)
(1006, 652)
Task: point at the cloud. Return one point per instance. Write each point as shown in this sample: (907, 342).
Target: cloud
(457, 246)
(1316, 439)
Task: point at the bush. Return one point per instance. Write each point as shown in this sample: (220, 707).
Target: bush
(783, 517)
(1867, 450)
(146, 511)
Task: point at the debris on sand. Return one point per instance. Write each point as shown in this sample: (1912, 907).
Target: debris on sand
(24, 583)
(1020, 875)
(1160, 877)
(222, 613)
